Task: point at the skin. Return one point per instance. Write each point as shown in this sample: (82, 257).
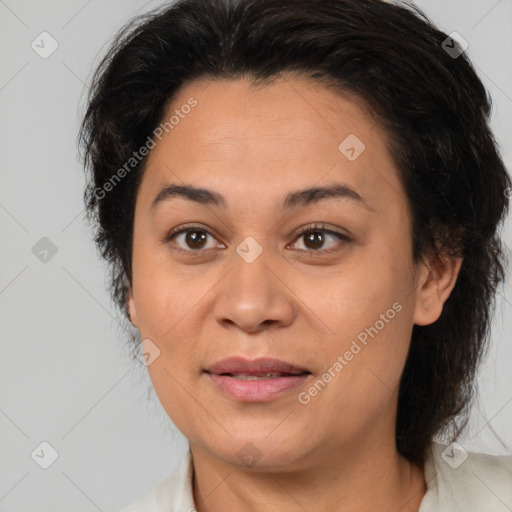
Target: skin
(295, 302)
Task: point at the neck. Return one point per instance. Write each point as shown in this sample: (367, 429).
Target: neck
(350, 479)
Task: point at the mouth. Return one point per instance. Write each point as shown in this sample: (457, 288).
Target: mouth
(259, 380)
(262, 368)
(260, 376)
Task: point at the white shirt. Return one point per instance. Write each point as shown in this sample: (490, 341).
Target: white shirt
(476, 483)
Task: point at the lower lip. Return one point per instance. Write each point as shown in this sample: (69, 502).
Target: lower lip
(261, 390)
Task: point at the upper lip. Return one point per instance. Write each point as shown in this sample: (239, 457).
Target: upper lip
(239, 365)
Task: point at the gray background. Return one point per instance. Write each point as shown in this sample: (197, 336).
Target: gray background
(65, 376)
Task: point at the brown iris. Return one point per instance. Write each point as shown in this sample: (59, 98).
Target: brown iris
(316, 238)
(195, 239)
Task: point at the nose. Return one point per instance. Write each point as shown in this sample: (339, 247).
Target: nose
(254, 295)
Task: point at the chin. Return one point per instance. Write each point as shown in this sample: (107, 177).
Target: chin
(258, 452)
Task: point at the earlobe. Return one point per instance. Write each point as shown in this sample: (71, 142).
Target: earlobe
(130, 307)
(434, 288)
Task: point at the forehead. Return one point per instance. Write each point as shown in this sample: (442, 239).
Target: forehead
(291, 133)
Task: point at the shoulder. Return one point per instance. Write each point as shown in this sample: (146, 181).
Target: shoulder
(172, 493)
(467, 480)
(156, 500)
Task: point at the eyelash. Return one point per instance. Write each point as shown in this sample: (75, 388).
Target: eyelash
(301, 231)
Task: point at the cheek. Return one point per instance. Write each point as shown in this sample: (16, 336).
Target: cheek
(350, 299)
(170, 378)
(162, 296)
(368, 312)
(362, 373)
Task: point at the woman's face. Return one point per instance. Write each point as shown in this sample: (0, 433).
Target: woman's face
(336, 302)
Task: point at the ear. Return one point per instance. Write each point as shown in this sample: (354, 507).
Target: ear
(435, 284)
(132, 311)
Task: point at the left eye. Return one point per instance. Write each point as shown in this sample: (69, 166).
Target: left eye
(315, 238)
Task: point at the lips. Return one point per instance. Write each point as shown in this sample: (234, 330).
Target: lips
(256, 368)
(257, 380)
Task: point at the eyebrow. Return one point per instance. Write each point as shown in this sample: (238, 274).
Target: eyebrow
(294, 199)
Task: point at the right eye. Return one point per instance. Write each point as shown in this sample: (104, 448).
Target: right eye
(190, 238)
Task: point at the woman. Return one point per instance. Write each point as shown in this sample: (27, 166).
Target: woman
(300, 203)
